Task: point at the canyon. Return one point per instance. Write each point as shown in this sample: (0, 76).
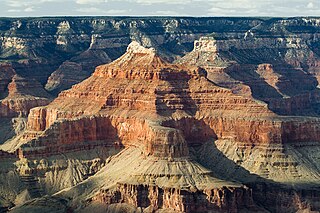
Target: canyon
(159, 114)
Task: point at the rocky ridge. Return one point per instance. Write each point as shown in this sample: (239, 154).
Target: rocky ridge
(179, 124)
(41, 47)
(279, 71)
(17, 96)
(174, 126)
(23, 94)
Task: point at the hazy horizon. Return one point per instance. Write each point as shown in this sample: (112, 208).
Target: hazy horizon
(145, 8)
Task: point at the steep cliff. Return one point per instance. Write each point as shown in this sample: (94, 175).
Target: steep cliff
(191, 145)
(144, 134)
(281, 71)
(23, 94)
(39, 47)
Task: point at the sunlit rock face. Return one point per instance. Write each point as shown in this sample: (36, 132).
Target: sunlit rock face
(217, 130)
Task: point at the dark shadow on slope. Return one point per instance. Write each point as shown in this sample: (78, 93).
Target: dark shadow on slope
(260, 89)
(75, 70)
(200, 139)
(295, 83)
(267, 193)
(6, 112)
(173, 94)
(9, 127)
(5, 93)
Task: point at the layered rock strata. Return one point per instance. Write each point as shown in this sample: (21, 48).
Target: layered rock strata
(41, 47)
(158, 92)
(23, 94)
(187, 132)
(75, 70)
(178, 131)
(279, 71)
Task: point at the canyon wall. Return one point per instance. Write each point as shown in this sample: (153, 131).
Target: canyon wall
(214, 131)
(39, 47)
(273, 65)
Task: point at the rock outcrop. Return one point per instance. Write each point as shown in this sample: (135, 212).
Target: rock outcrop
(41, 48)
(275, 70)
(75, 70)
(17, 96)
(216, 131)
(172, 125)
(23, 94)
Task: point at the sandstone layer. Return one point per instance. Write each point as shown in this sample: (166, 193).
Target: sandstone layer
(192, 145)
(279, 71)
(22, 95)
(143, 134)
(39, 47)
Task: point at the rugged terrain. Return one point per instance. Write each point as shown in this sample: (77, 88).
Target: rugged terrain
(232, 125)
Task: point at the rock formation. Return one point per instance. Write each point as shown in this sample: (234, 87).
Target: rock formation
(75, 70)
(282, 74)
(18, 95)
(215, 131)
(178, 131)
(23, 94)
(41, 48)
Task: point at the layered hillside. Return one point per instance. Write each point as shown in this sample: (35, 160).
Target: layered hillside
(192, 146)
(48, 48)
(281, 71)
(232, 126)
(17, 96)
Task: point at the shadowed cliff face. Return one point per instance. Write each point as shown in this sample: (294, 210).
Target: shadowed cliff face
(273, 62)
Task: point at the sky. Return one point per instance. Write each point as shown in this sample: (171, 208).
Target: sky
(275, 8)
